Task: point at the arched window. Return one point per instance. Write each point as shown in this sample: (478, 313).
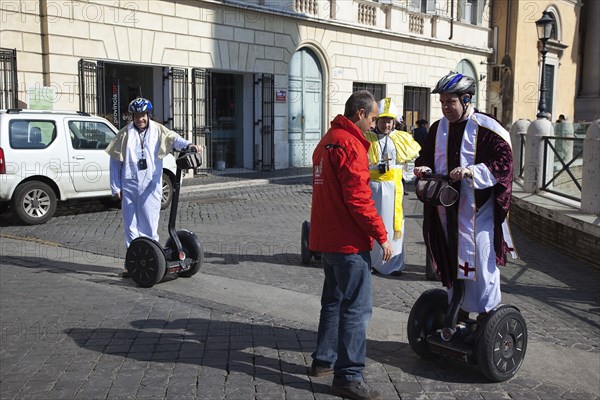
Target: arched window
(556, 25)
(466, 68)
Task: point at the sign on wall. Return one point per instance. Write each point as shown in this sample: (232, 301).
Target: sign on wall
(281, 95)
(41, 97)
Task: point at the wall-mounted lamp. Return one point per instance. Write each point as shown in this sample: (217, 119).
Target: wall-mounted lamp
(481, 77)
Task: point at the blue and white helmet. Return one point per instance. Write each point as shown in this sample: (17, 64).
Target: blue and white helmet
(140, 106)
(455, 83)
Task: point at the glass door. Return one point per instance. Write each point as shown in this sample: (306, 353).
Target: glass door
(227, 129)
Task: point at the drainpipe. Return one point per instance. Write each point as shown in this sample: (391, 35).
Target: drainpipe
(44, 40)
(508, 16)
(451, 19)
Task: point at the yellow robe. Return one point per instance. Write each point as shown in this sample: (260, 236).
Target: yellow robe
(406, 149)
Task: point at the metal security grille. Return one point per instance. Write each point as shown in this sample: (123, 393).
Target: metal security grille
(268, 120)
(376, 89)
(549, 93)
(201, 112)
(91, 87)
(8, 81)
(179, 102)
(416, 105)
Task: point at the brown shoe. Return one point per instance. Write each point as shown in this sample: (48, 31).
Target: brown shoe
(125, 274)
(355, 390)
(318, 371)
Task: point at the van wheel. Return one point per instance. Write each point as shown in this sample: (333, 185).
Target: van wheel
(34, 202)
(167, 192)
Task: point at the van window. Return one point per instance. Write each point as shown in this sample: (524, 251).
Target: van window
(90, 135)
(28, 134)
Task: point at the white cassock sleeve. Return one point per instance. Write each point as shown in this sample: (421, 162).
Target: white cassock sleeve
(115, 176)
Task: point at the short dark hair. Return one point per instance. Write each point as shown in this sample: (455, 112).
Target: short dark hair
(356, 101)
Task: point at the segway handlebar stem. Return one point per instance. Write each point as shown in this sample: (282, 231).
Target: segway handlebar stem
(188, 158)
(451, 319)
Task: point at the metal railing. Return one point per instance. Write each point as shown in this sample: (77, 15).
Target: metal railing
(560, 160)
(523, 138)
(562, 163)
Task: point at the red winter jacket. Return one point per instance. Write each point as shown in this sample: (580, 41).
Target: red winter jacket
(343, 216)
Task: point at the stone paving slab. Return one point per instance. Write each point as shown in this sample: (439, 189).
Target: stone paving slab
(67, 335)
(71, 329)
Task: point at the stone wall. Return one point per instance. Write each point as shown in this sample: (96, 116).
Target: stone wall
(576, 237)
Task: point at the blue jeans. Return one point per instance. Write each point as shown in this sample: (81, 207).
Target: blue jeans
(346, 309)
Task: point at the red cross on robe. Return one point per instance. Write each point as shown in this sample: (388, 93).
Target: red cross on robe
(465, 268)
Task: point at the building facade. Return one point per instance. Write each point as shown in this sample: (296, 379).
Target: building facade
(516, 68)
(255, 81)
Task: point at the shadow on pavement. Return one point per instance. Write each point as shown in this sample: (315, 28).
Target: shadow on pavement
(266, 352)
(552, 277)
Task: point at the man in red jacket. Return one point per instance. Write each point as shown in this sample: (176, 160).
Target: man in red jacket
(344, 222)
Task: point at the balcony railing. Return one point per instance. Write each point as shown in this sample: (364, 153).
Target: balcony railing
(416, 24)
(310, 7)
(367, 14)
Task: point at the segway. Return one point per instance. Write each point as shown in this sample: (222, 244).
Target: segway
(305, 253)
(496, 343)
(147, 262)
(429, 270)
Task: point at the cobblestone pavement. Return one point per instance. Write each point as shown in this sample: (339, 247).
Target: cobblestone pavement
(71, 329)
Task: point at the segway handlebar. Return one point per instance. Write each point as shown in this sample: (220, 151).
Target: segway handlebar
(188, 159)
(436, 190)
(428, 174)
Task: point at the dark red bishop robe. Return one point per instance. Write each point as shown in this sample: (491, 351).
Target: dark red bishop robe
(496, 154)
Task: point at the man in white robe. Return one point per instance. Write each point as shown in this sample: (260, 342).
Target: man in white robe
(468, 240)
(389, 152)
(136, 165)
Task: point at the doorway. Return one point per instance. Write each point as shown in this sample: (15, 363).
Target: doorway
(305, 107)
(123, 83)
(227, 121)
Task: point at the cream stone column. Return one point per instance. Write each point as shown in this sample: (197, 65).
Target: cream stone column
(587, 103)
(534, 154)
(517, 135)
(590, 182)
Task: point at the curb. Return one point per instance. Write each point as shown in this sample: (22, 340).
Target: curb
(237, 184)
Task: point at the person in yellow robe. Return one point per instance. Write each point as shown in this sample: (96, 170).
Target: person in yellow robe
(390, 150)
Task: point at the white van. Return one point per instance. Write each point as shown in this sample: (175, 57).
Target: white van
(46, 156)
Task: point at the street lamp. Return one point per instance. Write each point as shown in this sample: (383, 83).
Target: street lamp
(544, 31)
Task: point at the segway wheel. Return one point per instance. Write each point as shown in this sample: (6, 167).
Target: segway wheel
(426, 316)
(502, 344)
(192, 247)
(305, 253)
(146, 262)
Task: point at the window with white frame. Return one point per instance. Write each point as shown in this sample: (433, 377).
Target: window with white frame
(423, 6)
(471, 11)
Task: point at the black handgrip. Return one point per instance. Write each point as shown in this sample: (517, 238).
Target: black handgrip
(189, 159)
